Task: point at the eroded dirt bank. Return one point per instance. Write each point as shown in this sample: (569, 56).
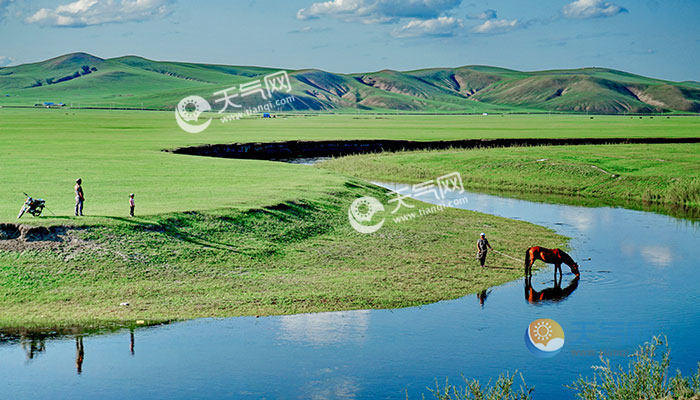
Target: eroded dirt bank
(281, 151)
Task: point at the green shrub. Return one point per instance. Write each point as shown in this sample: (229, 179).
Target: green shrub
(646, 377)
(472, 390)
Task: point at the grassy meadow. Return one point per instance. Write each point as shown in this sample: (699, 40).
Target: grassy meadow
(224, 237)
(119, 152)
(666, 174)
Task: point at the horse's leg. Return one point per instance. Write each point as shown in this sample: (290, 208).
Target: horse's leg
(528, 263)
(528, 260)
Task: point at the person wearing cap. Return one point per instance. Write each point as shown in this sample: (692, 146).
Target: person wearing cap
(482, 246)
(132, 204)
(79, 197)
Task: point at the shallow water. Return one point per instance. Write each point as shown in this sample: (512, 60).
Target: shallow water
(641, 280)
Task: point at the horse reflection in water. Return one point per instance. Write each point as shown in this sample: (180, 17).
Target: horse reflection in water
(555, 293)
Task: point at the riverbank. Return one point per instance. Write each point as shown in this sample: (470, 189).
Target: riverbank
(664, 174)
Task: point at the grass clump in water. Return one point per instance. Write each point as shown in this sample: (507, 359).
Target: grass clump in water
(646, 377)
(502, 389)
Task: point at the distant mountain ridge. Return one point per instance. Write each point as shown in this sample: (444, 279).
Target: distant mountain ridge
(132, 81)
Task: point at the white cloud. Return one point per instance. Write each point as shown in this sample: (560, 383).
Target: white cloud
(325, 328)
(661, 256)
(5, 61)
(494, 26)
(377, 11)
(487, 14)
(82, 13)
(309, 29)
(441, 26)
(591, 9)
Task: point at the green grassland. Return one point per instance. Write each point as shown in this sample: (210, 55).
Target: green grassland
(215, 237)
(293, 257)
(667, 174)
(116, 153)
(84, 80)
(224, 237)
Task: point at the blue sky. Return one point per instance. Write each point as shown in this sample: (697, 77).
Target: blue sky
(648, 37)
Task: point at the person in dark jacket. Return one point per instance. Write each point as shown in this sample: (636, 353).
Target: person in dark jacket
(482, 247)
(79, 197)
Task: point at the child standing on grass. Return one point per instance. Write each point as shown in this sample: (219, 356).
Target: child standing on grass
(132, 204)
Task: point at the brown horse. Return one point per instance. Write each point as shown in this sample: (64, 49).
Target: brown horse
(550, 256)
(555, 293)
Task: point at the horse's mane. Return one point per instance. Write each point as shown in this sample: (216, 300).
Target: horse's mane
(566, 258)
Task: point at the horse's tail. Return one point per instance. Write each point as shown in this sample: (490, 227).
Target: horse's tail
(527, 257)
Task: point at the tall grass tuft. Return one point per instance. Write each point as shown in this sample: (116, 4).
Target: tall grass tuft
(684, 192)
(646, 377)
(502, 389)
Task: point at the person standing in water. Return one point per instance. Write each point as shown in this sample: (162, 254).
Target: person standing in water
(132, 204)
(79, 197)
(482, 247)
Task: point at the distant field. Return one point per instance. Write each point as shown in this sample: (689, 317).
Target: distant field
(119, 152)
(667, 174)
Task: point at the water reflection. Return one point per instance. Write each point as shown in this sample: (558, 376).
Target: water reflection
(660, 256)
(482, 295)
(32, 345)
(583, 219)
(79, 354)
(555, 293)
(325, 328)
(131, 341)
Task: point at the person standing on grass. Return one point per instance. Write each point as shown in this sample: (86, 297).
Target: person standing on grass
(79, 197)
(482, 247)
(132, 204)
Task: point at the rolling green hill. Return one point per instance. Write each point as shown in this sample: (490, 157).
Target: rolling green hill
(83, 80)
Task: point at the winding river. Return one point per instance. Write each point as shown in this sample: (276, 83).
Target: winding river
(641, 280)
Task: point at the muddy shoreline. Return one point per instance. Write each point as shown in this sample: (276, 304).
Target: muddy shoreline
(281, 151)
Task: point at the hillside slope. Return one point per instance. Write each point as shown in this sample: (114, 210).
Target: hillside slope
(84, 80)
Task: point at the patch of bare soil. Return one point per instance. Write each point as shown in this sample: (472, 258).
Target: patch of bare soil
(18, 237)
(646, 98)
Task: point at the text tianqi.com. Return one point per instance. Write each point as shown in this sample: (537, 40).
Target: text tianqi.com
(366, 214)
(190, 108)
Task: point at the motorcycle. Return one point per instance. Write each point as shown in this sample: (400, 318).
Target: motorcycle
(32, 206)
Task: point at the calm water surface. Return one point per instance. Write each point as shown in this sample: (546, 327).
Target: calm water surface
(641, 280)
